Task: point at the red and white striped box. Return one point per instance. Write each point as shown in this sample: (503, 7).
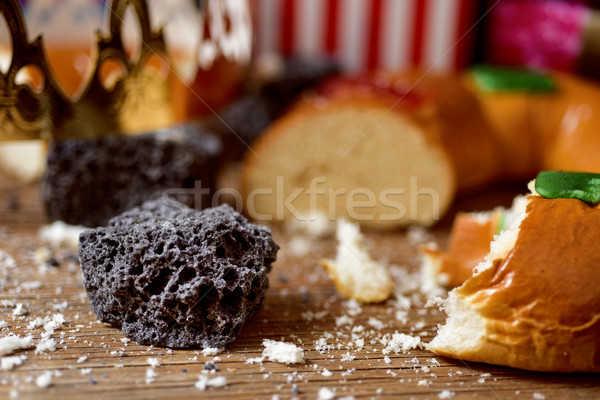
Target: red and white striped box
(366, 34)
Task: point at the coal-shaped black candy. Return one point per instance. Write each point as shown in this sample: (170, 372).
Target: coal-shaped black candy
(87, 182)
(168, 275)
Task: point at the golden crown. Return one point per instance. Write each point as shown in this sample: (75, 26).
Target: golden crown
(135, 98)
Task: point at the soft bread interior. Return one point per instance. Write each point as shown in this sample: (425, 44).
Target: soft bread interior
(433, 276)
(465, 329)
(355, 274)
(366, 164)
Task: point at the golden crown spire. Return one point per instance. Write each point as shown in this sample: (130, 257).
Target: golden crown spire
(136, 100)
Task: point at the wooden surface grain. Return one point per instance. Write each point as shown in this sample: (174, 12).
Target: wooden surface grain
(109, 367)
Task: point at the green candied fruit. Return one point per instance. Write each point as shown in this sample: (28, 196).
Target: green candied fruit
(503, 79)
(501, 223)
(569, 185)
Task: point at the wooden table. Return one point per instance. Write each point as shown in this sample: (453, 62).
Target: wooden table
(302, 306)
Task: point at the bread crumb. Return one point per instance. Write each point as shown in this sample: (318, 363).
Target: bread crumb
(309, 315)
(153, 362)
(282, 352)
(47, 344)
(355, 274)
(32, 285)
(299, 246)
(387, 360)
(319, 226)
(402, 342)
(348, 357)
(19, 310)
(6, 260)
(375, 323)
(3, 324)
(539, 396)
(13, 394)
(151, 375)
(86, 371)
(60, 234)
(352, 307)
(423, 382)
(344, 320)
(417, 235)
(44, 380)
(211, 351)
(81, 359)
(12, 343)
(446, 394)
(255, 360)
(326, 394)
(8, 363)
(204, 382)
(326, 372)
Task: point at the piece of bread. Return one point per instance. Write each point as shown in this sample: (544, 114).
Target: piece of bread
(172, 276)
(361, 142)
(354, 272)
(534, 302)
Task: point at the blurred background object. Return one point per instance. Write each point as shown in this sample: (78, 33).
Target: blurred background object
(561, 35)
(367, 34)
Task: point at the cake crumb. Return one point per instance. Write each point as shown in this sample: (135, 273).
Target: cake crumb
(286, 353)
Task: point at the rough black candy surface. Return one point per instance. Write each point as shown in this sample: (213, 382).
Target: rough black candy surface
(172, 276)
(87, 182)
(242, 122)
